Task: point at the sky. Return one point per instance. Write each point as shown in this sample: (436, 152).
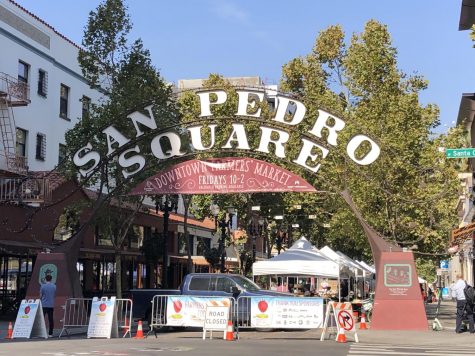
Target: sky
(189, 39)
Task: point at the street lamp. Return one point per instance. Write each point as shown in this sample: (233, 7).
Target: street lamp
(223, 224)
(166, 207)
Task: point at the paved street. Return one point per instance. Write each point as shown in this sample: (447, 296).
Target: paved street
(303, 342)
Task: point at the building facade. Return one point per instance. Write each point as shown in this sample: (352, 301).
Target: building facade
(42, 95)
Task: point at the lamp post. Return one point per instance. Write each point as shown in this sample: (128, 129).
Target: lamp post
(222, 225)
(166, 208)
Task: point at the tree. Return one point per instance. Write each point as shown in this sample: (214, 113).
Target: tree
(124, 70)
(408, 194)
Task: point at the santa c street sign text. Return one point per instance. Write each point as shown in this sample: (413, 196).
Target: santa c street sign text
(460, 152)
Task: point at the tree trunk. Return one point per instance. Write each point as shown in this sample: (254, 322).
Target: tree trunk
(118, 274)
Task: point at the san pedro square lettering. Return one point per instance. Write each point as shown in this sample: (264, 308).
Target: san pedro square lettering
(289, 114)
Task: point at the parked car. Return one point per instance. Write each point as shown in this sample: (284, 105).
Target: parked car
(203, 285)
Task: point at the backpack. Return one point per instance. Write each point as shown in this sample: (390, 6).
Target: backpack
(469, 293)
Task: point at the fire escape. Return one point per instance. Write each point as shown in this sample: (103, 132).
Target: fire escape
(16, 184)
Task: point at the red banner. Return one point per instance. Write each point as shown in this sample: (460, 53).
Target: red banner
(223, 175)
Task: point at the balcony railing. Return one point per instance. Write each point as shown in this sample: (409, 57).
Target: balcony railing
(13, 163)
(16, 92)
(25, 190)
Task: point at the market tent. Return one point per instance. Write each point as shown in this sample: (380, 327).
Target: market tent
(351, 263)
(344, 265)
(302, 259)
(369, 268)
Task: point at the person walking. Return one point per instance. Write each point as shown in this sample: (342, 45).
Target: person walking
(47, 296)
(462, 305)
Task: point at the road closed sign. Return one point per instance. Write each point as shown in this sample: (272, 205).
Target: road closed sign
(216, 318)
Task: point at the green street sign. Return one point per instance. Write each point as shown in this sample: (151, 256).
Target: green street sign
(460, 152)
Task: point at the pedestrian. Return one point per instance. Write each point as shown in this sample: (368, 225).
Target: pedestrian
(462, 305)
(47, 296)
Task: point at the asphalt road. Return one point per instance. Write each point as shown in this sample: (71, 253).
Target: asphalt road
(166, 345)
(251, 343)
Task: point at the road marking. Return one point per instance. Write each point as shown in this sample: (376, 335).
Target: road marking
(160, 349)
(413, 350)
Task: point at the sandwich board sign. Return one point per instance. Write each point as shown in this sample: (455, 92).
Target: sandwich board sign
(216, 319)
(30, 321)
(103, 318)
(342, 314)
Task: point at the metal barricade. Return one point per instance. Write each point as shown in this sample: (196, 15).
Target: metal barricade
(243, 310)
(158, 318)
(76, 314)
(124, 316)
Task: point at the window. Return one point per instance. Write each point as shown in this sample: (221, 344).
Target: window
(21, 142)
(42, 82)
(23, 69)
(40, 146)
(224, 284)
(199, 283)
(63, 101)
(62, 153)
(86, 106)
(101, 239)
(203, 246)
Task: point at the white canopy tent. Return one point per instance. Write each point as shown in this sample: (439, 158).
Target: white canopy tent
(302, 259)
(349, 267)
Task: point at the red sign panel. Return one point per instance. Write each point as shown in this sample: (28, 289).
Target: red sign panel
(223, 175)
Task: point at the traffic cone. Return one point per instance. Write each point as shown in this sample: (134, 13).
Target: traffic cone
(139, 334)
(10, 331)
(363, 322)
(126, 327)
(341, 335)
(230, 331)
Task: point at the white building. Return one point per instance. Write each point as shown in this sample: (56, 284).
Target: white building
(42, 92)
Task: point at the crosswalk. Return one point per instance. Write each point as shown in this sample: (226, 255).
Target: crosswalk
(413, 350)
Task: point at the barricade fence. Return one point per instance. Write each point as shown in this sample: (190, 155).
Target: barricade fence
(279, 312)
(160, 309)
(124, 316)
(77, 312)
(240, 312)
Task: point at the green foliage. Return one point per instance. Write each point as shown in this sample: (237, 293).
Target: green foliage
(426, 269)
(409, 193)
(213, 257)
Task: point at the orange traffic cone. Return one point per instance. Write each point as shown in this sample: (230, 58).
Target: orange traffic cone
(341, 335)
(363, 322)
(10, 331)
(126, 327)
(139, 334)
(230, 331)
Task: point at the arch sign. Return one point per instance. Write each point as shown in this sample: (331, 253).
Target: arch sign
(228, 174)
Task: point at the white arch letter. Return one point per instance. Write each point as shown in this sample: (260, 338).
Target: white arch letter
(306, 153)
(266, 138)
(86, 157)
(370, 157)
(247, 101)
(205, 101)
(321, 123)
(126, 162)
(175, 144)
(298, 115)
(114, 137)
(239, 135)
(196, 141)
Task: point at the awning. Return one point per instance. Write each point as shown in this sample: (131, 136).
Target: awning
(197, 260)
